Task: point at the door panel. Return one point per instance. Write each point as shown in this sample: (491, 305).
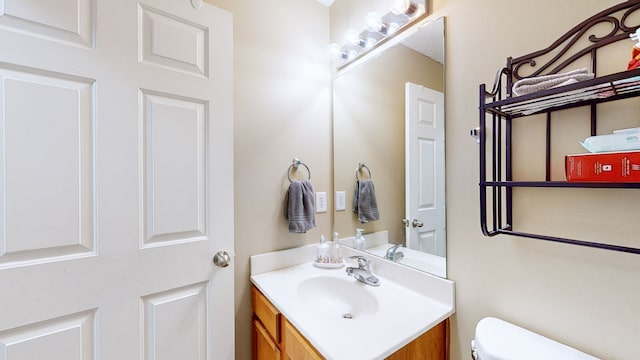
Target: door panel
(175, 324)
(175, 164)
(69, 21)
(188, 49)
(71, 337)
(116, 180)
(47, 181)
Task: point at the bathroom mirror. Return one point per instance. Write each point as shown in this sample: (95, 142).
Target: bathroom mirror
(369, 112)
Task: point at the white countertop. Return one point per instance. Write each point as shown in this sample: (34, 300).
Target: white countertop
(409, 303)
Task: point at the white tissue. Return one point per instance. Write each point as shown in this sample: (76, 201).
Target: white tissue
(612, 142)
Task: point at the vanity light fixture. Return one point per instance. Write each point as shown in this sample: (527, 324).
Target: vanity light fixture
(337, 52)
(406, 7)
(378, 29)
(353, 37)
(374, 22)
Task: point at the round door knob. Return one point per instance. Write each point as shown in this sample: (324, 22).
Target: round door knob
(405, 222)
(417, 223)
(222, 259)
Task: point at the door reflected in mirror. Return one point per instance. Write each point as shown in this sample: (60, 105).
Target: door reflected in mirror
(388, 114)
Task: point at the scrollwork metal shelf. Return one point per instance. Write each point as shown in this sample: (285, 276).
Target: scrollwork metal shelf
(499, 109)
(603, 89)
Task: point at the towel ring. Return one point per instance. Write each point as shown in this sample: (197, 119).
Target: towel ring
(360, 166)
(294, 166)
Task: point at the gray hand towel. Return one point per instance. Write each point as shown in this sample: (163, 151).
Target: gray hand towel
(538, 83)
(364, 201)
(300, 206)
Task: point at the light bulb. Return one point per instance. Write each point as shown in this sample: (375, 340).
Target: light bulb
(399, 7)
(352, 37)
(373, 21)
(392, 28)
(370, 42)
(335, 51)
(404, 7)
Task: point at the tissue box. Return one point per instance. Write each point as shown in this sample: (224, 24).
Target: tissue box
(623, 140)
(623, 166)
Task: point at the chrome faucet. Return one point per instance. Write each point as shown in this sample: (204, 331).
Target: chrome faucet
(394, 254)
(362, 272)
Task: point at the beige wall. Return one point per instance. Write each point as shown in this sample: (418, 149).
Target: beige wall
(282, 110)
(584, 297)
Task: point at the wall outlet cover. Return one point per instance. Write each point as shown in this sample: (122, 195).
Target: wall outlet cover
(321, 202)
(341, 201)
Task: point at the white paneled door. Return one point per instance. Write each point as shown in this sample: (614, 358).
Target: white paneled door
(425, 187)
(116, 180)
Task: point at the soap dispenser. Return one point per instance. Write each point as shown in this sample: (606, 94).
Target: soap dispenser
(360, 245)
(336, 250)
(322, 251)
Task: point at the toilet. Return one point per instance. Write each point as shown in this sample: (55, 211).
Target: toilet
(497, 339)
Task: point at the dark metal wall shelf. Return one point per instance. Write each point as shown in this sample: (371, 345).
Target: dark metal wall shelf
(564, 184)
(602, 89)
(498, 110)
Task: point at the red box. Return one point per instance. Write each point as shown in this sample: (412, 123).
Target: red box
(623, 166)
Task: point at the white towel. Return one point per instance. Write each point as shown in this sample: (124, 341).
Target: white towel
(300, 206)
(364, 201)
(538, 83)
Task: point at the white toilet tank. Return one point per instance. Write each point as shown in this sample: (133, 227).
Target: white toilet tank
(497, 339)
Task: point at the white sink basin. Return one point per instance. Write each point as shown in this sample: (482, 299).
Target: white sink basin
(337, 297)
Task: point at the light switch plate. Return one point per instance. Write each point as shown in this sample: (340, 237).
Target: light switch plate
(321, 202)
(341, 201)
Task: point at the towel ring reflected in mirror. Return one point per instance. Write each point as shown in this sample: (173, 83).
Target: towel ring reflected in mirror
(294, 167)
(359, 169)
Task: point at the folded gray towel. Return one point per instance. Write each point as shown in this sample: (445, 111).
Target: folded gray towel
(364, 201)
(300, 206)
(538, 83)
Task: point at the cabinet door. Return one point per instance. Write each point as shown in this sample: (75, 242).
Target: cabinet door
(295, 346)
(431, 345)
(264, 347)
(267, 313)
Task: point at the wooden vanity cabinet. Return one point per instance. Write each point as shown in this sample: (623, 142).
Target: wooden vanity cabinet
(296, 346)
(432, 345)
(274, 338)
(264, 347)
